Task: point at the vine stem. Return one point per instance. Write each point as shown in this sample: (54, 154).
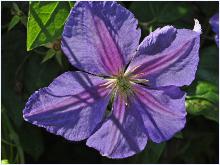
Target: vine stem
(20, 66)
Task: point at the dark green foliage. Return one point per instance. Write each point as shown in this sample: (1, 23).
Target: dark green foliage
(24, 72)
(159, 11)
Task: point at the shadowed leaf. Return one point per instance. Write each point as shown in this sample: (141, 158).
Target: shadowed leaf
(14, 21)
(151, 153)
(49, 54)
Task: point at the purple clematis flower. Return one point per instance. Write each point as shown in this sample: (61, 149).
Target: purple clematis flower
(101, 39)
(214, 22)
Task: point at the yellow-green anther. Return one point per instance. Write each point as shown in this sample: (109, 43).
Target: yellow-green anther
(140, 81)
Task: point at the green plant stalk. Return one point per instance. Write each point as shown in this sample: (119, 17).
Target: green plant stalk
(14, 137)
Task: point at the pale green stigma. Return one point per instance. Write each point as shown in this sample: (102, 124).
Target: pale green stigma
(123, 84)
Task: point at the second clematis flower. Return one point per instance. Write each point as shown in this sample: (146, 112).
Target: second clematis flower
(140, 82)
(214, 22)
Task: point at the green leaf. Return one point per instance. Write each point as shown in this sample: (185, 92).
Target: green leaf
(59, 58)
(11, 136)
(50, 53)
(14, 21)
(5, 161)
(24, 20)
(205, 101)
(71, 3)
(200, 106)
(208, 91)
(45, 22)
(197, 106)
(16, 8)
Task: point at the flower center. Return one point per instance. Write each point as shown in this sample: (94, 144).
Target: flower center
(123, 84)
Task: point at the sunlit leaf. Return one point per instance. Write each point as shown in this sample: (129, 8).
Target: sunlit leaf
(208, 91)
(45, 22)
(205, 102)
(5, 161)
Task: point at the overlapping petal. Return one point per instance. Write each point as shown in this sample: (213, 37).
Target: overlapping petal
(167, 57)
(122, 134)
(100, 37)
(162, 110)
(71, 106)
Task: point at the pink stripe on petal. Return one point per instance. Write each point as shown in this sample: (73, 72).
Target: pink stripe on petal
(171, 63)
(152, 102)
(109, 52)
(122, 134)
(69, 103)
(162, 111)
(118, 112)
(71, 106)
(95, 37)
(163, 60)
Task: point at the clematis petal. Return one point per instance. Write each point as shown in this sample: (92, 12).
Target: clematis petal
(122, 134)
(167, 57)
(214, 22)
(71, 106)
(162, 111)
(95, 37)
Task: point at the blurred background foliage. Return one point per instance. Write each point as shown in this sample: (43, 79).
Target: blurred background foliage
(31, 59)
